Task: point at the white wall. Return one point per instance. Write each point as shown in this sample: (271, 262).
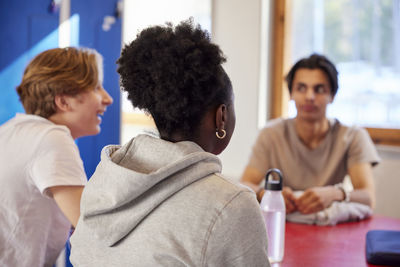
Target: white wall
(236, 28)
(387, 181)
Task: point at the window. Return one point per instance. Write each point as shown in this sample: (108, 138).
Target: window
(362, 37)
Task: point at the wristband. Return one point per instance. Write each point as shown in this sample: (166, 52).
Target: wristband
(345, 191)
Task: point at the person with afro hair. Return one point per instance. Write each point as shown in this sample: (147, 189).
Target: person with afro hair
(162, 201)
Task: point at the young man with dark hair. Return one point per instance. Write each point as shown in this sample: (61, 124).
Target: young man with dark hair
(313, 152)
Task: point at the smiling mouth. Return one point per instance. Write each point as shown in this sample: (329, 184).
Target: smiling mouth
(100, 115)
(101, 112)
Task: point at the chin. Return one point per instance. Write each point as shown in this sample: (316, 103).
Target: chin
(310, 117)
(97, 131)
(93, 132)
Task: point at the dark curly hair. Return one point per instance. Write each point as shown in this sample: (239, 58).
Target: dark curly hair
(315, 61)
(175, 74)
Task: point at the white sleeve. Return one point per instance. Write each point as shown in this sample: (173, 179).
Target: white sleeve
(57, 162)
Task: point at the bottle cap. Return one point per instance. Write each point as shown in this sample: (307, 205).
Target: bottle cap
(274, 185)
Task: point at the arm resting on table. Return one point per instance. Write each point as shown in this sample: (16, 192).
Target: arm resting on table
(363, 182)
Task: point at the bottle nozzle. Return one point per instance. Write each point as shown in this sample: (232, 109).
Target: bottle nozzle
(275, 185)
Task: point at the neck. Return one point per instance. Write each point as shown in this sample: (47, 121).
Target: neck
(311, 133)
(174, 138)
(57, 118)
(203, 139)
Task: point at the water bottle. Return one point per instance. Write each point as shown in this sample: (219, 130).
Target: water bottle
(274, 212)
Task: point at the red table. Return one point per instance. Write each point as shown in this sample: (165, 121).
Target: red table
(325, 246)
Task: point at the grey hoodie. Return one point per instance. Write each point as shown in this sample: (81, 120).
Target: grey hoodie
(157, 203)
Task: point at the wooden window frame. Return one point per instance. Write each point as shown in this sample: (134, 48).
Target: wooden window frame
(280, 66)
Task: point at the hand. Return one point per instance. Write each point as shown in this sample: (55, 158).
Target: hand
(290, 199)
(316, 199)
(260, 194)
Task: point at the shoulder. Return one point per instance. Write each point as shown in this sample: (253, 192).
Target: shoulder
(217, 193)
(56, 145)
(276, 131)
(232, 199)
(276, 127)
(225, 189)
(357, 142)
(58, 132)
(38, 126)
(277, 123)
(56, 138)
(240, 220)
(349, 133)
(35, 133)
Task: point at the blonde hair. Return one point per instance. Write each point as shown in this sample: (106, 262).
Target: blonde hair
(59, 71)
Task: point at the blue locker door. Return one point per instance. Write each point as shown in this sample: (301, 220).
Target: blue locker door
(107, 41)
(27, 28)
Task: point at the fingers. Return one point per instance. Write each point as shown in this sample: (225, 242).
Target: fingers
(288, 193)
(311, 208)
(309, 202)
(290, 206)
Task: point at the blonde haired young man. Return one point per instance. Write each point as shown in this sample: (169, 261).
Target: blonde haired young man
(41, 172)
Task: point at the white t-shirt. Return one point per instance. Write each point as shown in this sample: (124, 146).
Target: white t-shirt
(35, 154)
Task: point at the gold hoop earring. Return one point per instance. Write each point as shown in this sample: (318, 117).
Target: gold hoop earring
(223, 134)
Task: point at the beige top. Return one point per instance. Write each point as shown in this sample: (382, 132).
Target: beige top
(278, 146)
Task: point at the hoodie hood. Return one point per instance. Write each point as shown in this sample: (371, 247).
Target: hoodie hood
(132, 180)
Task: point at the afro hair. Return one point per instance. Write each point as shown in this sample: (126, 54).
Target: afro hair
(174, 74)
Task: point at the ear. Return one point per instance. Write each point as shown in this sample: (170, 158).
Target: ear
(62, 102)
(220, 117)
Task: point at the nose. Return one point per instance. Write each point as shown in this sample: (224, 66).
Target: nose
(106, 98)
(310, 95)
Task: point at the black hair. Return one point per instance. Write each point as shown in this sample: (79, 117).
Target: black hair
(315, 61)
(175, 74)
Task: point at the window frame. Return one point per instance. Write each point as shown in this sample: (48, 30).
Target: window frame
(280, 65)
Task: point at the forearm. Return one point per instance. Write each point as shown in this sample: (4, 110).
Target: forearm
(363, 183)
(363, 196)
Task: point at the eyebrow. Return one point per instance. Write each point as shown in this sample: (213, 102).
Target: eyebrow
(320, 84)
(300, 83)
